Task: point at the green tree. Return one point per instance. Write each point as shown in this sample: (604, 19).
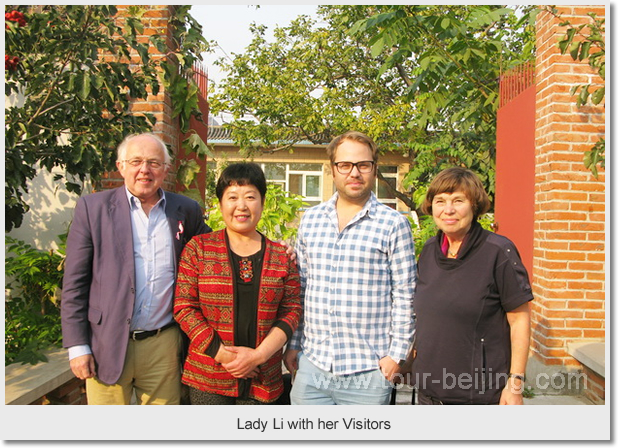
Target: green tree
(71, 73)
(421, 80)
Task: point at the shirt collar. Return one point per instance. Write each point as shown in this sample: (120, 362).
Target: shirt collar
(370, 207)
(133, 200)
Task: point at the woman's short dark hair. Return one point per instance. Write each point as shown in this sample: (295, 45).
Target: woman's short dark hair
(242, 173)
(458, 179)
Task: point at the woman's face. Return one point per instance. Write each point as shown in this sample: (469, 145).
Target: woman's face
(452, 213)
(241, 207)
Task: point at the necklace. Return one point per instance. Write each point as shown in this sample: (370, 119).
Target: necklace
(453, 254)
(246, 269)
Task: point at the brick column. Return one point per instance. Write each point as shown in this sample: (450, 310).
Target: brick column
(156, 21)
(569, 231)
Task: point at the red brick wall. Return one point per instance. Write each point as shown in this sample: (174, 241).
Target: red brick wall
(155, 20)
(72, 392)
(569, 230)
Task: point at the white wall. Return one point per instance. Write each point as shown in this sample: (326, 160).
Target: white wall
(51, 210)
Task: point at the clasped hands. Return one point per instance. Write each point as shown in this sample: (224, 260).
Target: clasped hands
(240, 362)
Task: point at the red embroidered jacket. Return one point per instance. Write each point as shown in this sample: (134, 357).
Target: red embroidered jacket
(204, 304)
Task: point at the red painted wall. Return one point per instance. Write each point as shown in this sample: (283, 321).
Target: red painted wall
(515, 173)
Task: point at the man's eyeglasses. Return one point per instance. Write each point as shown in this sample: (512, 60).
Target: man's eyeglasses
(154, 164)
(364, 167)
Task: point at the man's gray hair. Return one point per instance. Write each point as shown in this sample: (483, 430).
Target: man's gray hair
(122, 147)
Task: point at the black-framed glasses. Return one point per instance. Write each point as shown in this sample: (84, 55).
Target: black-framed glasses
(136, 163)
(366, 166)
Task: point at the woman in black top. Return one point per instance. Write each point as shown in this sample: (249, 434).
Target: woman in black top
(471, 302)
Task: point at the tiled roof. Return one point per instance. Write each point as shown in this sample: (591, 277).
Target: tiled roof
(220, 134)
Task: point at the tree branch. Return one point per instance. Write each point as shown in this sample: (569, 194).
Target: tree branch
(402, 197)
(403, 74)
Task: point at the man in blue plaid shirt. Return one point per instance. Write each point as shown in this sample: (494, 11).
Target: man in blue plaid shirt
(358, 274)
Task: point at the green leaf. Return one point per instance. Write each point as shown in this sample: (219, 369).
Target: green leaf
(585, 50)
(424, 62)
(598, 95)
(194, 143)
(566, 41)
(574, 50)
(84, 92)
(583, 95)
(187, 171)
(377, 48)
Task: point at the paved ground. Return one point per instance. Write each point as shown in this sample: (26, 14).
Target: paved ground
(404, 396)
(557, 399)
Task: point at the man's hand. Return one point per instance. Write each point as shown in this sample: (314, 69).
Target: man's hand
(83, 367)
(389, 367)
(290, 360)
(289, 250)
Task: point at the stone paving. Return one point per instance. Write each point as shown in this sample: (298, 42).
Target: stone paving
(404, 396)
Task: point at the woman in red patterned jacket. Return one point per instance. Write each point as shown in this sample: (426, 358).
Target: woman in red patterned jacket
(237, 298)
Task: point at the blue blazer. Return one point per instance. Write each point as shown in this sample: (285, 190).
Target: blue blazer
(99, 272)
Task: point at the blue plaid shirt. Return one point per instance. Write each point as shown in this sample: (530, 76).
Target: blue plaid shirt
(357, 287)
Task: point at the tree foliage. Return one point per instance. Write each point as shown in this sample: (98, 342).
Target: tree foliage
(71, 73)
(34, 281)
(421, 80)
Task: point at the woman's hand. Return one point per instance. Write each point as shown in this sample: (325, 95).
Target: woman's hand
(512, 394)
(224, 356)
(519, 321)
(244, 363)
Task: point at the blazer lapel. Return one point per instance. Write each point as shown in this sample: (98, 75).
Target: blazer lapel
(120, 218)
(177, 222)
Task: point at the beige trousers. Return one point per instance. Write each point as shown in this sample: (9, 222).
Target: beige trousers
(151, 369)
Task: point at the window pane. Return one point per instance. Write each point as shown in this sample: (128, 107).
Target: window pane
(305, 167)
(312, 186)
(274, 171)
(384, 169)
(278, 183)
(383, 192)
(296, 184)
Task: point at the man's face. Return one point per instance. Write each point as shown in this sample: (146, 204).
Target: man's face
(144, 180)
(355, 186)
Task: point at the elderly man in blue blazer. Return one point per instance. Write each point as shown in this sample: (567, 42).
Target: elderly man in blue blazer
(120, 271)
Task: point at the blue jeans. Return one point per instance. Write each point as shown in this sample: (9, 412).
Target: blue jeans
(313, 385)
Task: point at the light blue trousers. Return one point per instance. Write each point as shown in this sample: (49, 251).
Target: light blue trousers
(313, 385)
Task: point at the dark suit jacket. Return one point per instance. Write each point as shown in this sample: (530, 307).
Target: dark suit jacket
(99, 273)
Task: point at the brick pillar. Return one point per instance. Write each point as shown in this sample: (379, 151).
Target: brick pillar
(569, 232)
(156, 21)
